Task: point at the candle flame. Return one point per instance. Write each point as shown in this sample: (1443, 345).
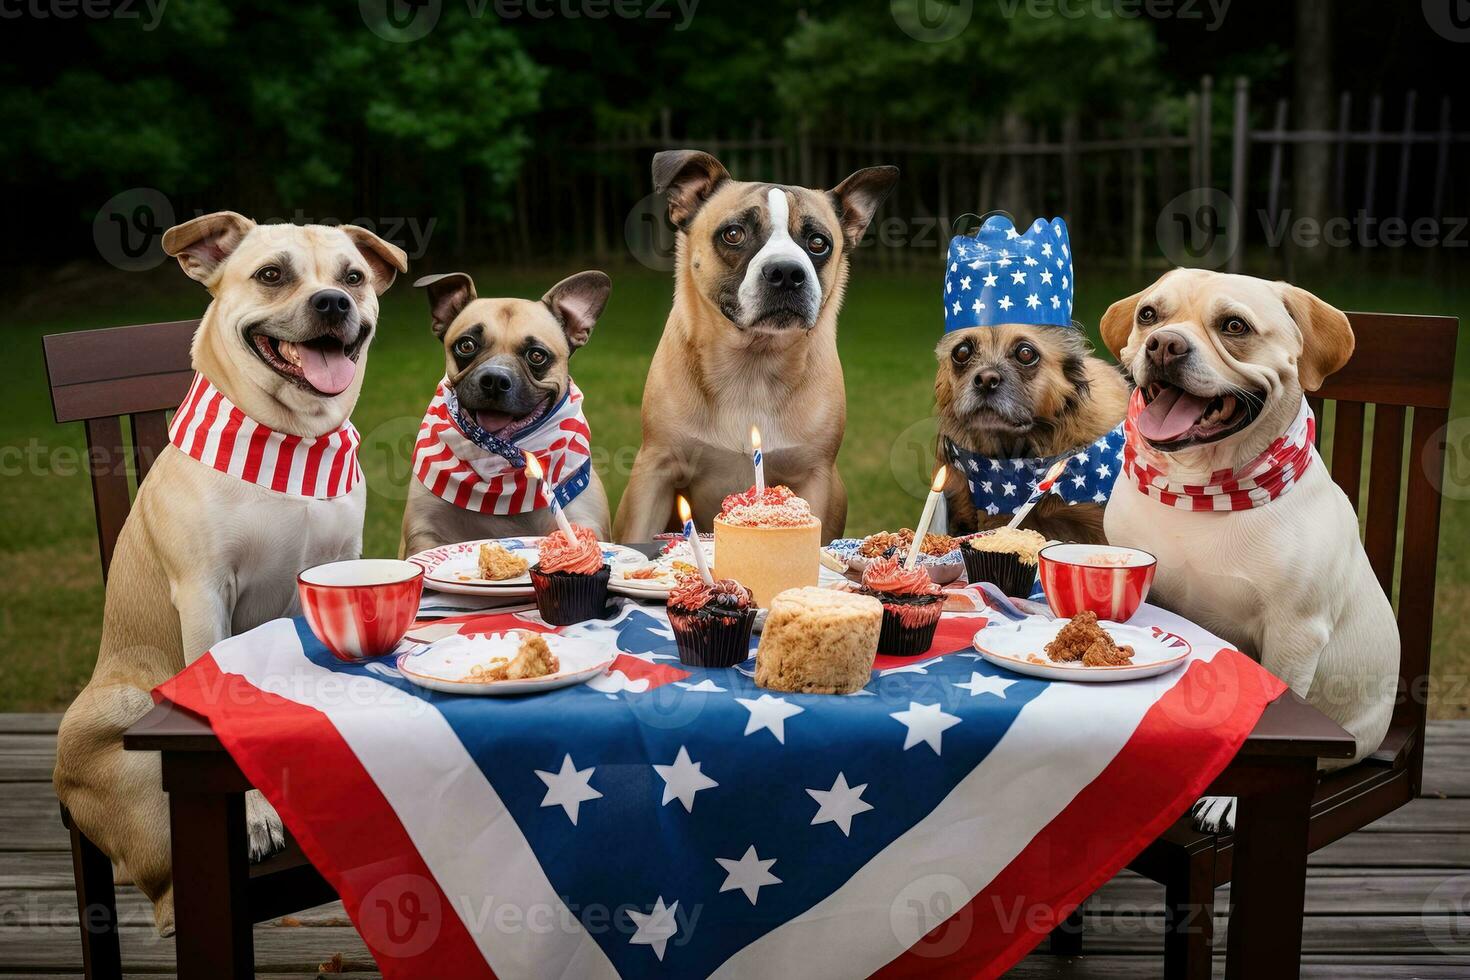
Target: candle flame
(755, 437)
(939, 477)
(533, 467)
(684, 512)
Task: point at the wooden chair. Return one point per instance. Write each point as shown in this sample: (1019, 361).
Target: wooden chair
(1401, 363)
(100, 377)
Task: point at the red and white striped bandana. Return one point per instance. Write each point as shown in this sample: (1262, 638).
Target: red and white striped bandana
(1258, 482)
(487, 474)
(211, 429)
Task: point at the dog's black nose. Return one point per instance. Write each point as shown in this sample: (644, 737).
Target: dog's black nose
(497, 380)
(331, 304)
(785, 275)
(1165, 347)
(987, 379)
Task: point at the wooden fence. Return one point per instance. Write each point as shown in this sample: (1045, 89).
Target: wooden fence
(1111, 179)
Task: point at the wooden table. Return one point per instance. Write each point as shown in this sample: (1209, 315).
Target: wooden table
(219, 895)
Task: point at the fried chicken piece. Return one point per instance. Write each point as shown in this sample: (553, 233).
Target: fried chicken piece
(1105, 653)
(533, 659)
(497, 564)
(1083, 639)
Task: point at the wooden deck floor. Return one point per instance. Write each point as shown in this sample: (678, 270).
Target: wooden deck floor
(1390, 901)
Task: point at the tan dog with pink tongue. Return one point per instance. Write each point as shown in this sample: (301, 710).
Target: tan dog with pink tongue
(1223, 483)
(260, 481)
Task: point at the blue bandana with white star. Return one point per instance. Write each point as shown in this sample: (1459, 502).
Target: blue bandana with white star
(999, 275)
(1001, 486)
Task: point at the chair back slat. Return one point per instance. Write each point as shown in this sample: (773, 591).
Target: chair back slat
(99, 376)
(1347, 448)
(110, 496)
(150, 435)
(1380, 539)
(1401, 364)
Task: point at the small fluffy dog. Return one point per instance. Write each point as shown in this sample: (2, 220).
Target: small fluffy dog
(210, 549)
(506, 369)
(1221, 362)
(1014, 391)
(751, 340)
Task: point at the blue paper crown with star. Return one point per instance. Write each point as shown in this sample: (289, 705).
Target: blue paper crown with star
(1000, 275)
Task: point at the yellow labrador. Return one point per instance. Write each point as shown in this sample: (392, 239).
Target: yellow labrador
(1221, 362)
(204, 553)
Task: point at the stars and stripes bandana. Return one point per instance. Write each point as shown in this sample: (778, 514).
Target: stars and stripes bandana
(1001, 486)
(1258, 482)
(209, 428)
(472, 469)
(999, 275)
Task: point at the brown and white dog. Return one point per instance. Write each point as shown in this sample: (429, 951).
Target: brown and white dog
(1222, 362)
(751, 340)
(508, 363)
(1020, 391)
(205, 554)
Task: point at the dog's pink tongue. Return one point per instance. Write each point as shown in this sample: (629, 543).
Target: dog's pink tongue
(493, 422)
(327, 368)
(1171, 414)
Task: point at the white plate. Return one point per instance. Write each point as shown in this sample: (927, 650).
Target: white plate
(1008, 645)
(445, 665)
(455, 567)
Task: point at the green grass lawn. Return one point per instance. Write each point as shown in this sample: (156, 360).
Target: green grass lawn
(52, 594)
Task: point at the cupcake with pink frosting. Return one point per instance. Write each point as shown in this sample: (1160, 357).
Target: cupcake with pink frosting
(712, 623)
(911, 606)
(570, 577)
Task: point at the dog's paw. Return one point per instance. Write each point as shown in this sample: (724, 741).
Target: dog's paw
(263, 826)
(1214, 815)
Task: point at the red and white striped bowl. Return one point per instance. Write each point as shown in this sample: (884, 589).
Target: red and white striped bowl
(1109, 580)
(361, 608)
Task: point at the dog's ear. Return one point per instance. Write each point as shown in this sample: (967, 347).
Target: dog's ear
(1327, 337)
(1117, 323)
(449, 293)
(203, 244)
(858, 197)
(383, 257)
(576, 302)
(688, 177)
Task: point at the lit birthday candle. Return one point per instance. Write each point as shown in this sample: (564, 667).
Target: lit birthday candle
(760, 463)
(533, 469)
(687, 516)
(936, 490)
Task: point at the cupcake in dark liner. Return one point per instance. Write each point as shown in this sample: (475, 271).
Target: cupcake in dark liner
(1006, 557)
(912, 604)
(571, 578)
(712, 623)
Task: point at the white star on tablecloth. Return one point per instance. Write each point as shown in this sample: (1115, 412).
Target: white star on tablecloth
(569, 788)
(683, 779)
(655, 928)
(925, 723)
(985, 684)
(769, 713)
(704, 686)
(839, 804)
(749, 874)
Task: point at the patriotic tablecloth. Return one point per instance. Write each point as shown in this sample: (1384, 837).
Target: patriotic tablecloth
(673, 821)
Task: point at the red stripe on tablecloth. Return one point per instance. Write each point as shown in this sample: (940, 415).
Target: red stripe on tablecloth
(296, 757)
(1177, 750)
